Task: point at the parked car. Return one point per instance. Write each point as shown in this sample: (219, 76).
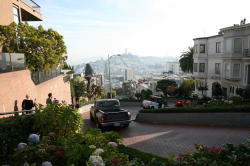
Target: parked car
(107, 112)
(180, 103)
(154, 102)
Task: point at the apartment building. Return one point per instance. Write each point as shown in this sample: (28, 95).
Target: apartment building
(19, 11)
(223, 59)
(173, 68)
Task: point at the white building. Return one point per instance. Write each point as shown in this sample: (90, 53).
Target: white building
(223, 58)
(173, 67)
(129, 75)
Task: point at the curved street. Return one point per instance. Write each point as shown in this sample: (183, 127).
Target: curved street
(164, 139)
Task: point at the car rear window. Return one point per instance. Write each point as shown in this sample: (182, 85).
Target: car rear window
(107, 103)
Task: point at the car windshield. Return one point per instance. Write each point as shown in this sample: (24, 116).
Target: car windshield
(107, 103)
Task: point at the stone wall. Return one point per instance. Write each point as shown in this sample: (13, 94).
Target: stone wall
(15, 85)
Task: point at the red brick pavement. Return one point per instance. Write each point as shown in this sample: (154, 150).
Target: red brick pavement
(164, 139)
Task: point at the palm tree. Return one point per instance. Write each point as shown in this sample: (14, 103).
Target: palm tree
(186, 61)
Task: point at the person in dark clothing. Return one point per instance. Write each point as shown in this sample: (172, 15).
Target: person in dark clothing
(49, 99)
(27, 105)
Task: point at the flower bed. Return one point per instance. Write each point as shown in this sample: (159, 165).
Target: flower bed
(53, 137)
(210, 109)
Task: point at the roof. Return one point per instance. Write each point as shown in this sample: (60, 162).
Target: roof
(236, 27)
(207, 37)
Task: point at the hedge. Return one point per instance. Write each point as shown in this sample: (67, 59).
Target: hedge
(14, 130)
(191, 109)
(145, 157)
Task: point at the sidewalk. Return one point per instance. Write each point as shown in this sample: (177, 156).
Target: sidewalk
(85, 108)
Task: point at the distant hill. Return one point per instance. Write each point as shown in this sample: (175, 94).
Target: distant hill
(143, 66)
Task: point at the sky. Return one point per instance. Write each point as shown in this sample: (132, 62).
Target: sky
(95, 28)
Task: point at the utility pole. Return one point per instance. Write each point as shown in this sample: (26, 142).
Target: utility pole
(110, 83)
(110, 86)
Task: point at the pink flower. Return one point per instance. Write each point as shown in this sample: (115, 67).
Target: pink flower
(51, 134)
(113, 144)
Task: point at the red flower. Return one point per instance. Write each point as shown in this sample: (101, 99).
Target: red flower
(59, 154)
(214, 150)
(115, 161)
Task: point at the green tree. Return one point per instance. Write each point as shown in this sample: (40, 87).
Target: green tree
(186, 88)
(43, 49)
(186, 60)
(88, 75)
(216, 89)
(145, 94)
(78, 88)
(163, 86)
(95, 92)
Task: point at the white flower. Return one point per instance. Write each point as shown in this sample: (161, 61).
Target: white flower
(113, 144)
(34, 138)
(22, 146)
(96, 161)
(99, 150)
(46, 163)
(26, 164)
(230, 102)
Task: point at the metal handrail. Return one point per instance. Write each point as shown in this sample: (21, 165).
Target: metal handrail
(33, 4)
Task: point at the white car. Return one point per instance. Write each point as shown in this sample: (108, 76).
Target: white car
(147, 104)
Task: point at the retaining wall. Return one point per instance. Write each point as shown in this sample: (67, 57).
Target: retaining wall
(15, 85)
(213, 119)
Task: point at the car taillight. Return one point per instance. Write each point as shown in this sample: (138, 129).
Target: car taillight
(129, 115)
(101, 118)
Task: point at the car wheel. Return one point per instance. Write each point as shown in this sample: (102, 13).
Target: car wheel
(91, 117)
(98, 125)
(126, 125)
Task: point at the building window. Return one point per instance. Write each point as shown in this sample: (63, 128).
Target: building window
(238, 45)
(217, 68)
(196, 48)
(218, 47)
(236, 71)
(202, 48)
(195, 67)
(16, 15)
(227, 70)
(202, 67)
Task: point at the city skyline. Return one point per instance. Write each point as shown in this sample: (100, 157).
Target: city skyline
(147, 28)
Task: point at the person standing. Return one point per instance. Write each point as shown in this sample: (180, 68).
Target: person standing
(49, 99)
(27, 105)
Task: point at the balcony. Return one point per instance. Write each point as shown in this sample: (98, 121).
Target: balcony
(10, 62)
(33, 4)
(246, 52)
(30, 10)
(200, 75)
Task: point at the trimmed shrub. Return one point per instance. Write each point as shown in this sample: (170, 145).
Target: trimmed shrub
(14, 130)
(210, 109)
(147, 158)
(57, 118)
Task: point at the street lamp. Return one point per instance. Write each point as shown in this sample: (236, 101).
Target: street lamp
(110, 85)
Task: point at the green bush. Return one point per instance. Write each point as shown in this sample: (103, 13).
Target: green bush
(210, 109)
(54, 118)
(228, 155)
(12, 131)
(147, 158)
(58, 118)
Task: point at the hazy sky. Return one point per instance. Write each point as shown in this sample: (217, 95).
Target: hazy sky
(96, 28)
